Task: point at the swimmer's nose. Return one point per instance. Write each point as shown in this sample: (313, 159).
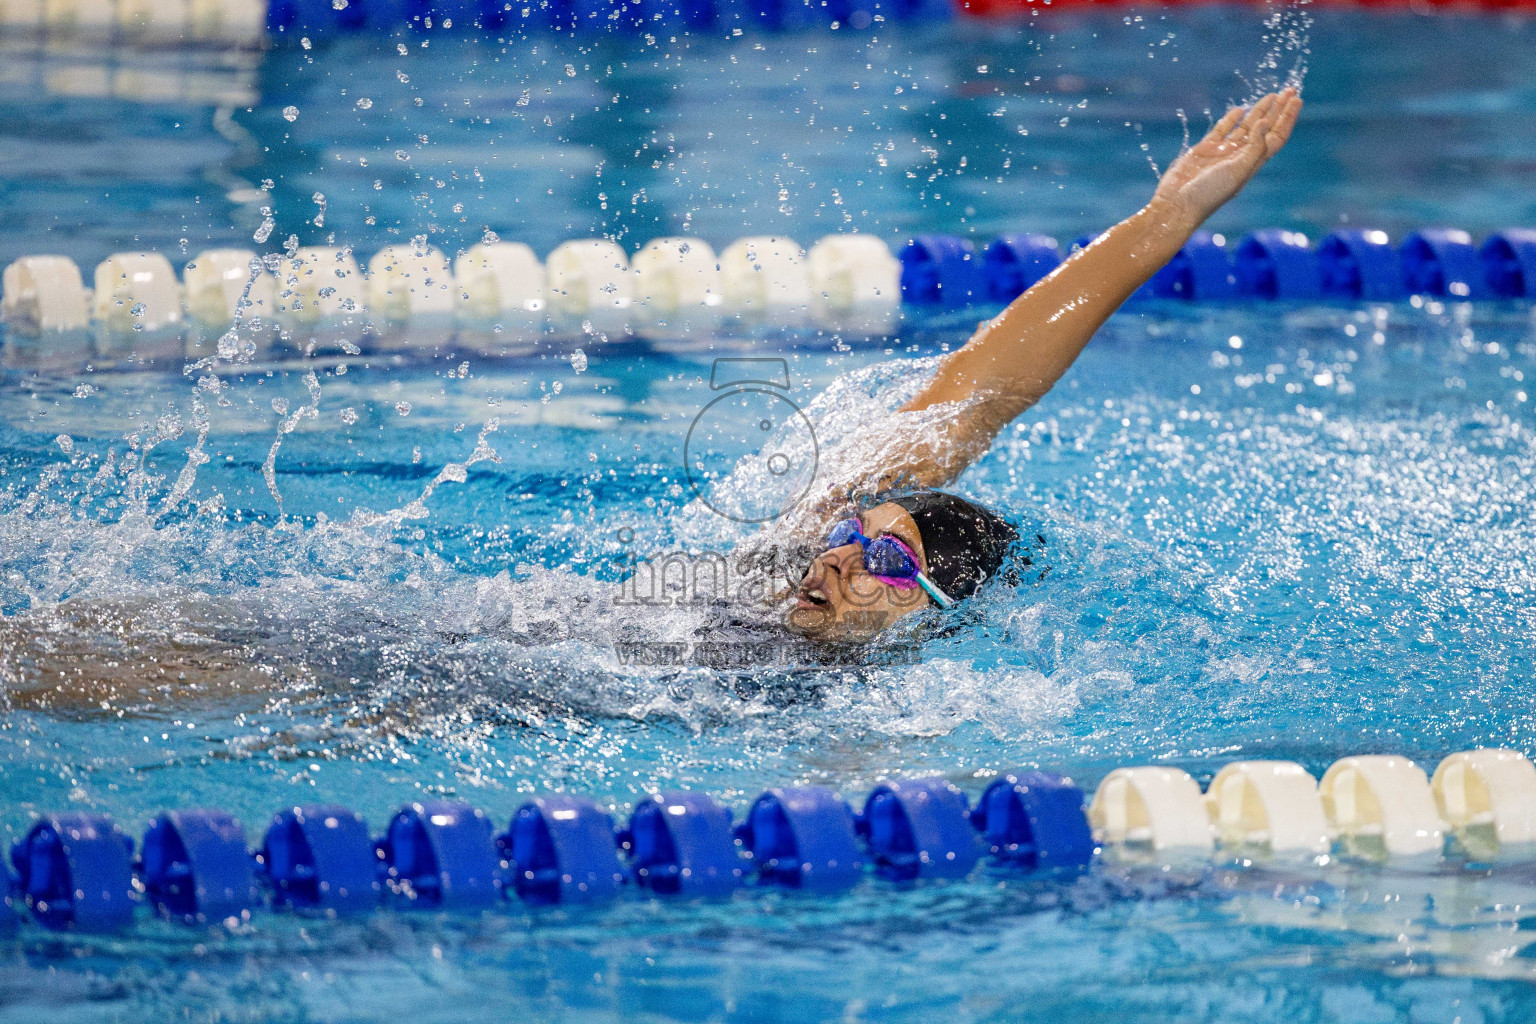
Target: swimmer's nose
(840, 560)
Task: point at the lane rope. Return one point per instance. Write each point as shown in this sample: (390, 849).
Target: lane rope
(77, 869)
(317, 297)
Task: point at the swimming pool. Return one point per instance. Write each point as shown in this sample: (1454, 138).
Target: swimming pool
(1274, 531)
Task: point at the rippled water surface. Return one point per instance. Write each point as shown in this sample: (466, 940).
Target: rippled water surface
(1270, 532)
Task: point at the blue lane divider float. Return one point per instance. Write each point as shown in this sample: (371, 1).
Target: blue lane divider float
(1035, 819)
(195, 867)
(1277, 264)
(1199, 272)
(320, 858)
(941, 270)
(803, 838)
(440, 853)
(1509, 263)
(681, 843)
(292, 17)
(562, 849)
(1442, 262)
(76, 870)
(1013, 263)
(1360, 264)
(919, 828)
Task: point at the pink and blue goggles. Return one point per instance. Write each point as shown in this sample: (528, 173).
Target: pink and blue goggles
(888, 560)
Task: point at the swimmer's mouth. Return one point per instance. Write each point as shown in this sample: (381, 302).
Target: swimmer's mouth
(813, 595)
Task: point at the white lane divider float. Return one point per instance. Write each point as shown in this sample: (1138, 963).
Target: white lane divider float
(412, 296)
(850, 271)
(1488, 798)
(763, 275)
(45, 307)
(855, 284)
(216, 22)
(1153, 811)
(495, 296)
(219, 286)
(501, 301)
(676, 273)
(1269, 806)
(41, 294)
(95, 19)
(228, 22)
(677, 289)
(21, 16)
(220, 283)
(497, 278)
(1381, 808)
(322, 298)
(153, 21)
(590, 279)
(137, 305)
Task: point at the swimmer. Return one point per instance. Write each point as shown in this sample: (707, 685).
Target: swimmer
(908, 546)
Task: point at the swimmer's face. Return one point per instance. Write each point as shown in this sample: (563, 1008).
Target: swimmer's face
(839, 600)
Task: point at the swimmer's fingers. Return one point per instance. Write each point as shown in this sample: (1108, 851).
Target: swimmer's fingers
(1283, 121)
(1221, 129)
(1263, 136)
(1253, 122)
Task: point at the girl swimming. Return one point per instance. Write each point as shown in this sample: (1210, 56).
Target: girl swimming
(923, 548)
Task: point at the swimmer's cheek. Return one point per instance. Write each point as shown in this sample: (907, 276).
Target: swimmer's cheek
(826, 624)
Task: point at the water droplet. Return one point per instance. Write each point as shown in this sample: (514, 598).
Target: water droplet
(403, 408)
(291, 113)
(579, 361)
(229, 345)
(280, 406)
(349, 415)
(522, 100)
(138, 309)
(570, 71)
(66, 443)
(364, 103)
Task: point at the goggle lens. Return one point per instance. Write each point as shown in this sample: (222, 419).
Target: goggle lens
(884, 557)
(888, 557)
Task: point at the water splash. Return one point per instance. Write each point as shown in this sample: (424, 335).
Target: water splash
(310, 410)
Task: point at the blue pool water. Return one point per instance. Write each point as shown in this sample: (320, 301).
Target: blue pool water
(1273, 531)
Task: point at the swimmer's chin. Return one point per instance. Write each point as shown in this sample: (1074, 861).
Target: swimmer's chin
(818, 624)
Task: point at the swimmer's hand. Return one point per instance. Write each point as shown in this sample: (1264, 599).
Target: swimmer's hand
(1217, 167)
(1015, 358)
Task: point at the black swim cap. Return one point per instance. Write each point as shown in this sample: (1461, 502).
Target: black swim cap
(963, 543)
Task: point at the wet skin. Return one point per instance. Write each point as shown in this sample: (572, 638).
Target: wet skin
(839, 600)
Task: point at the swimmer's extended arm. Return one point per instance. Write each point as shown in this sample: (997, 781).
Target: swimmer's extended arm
(1012, 361)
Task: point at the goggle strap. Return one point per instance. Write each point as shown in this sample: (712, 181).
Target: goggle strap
(940, 598)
